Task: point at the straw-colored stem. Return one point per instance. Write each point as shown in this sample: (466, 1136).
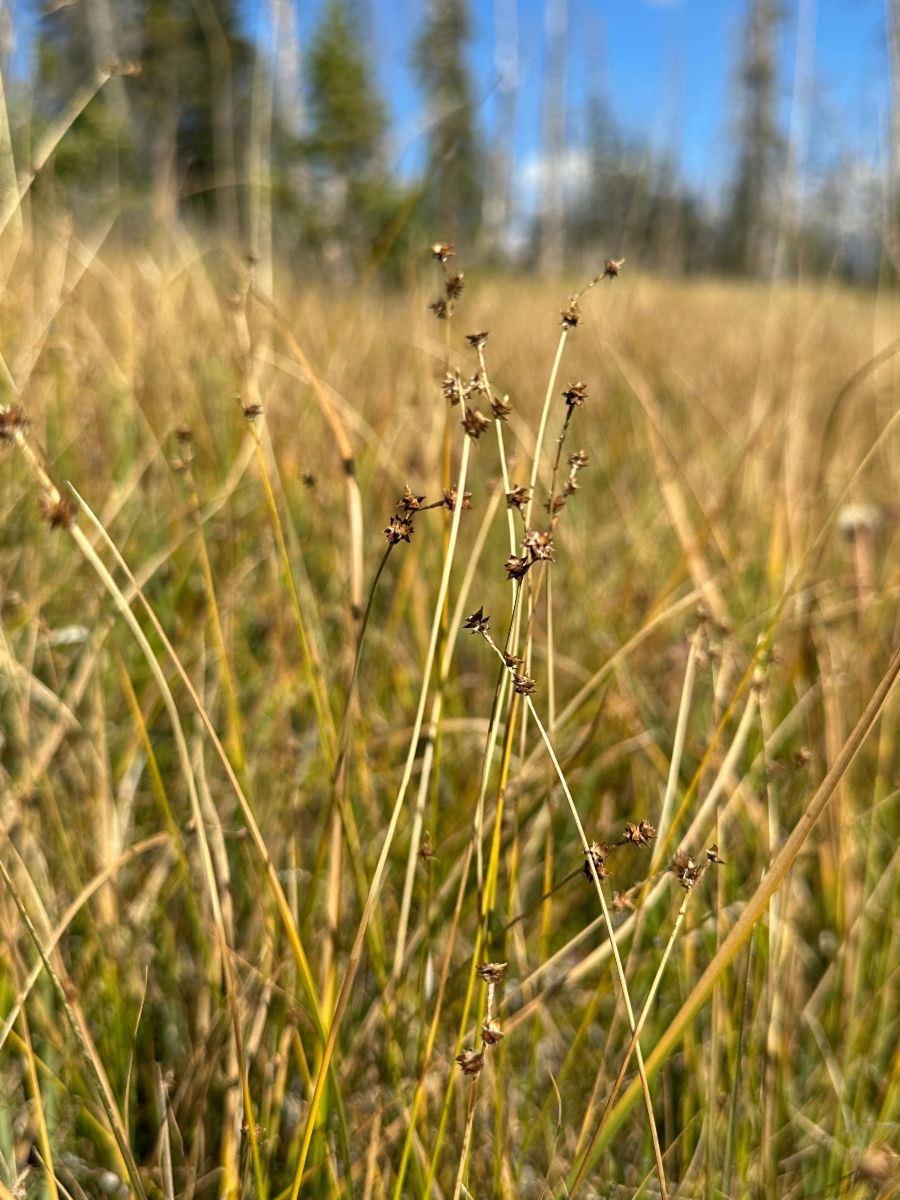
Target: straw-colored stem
(378, 877)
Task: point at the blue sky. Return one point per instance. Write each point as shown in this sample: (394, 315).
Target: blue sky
(665, 66)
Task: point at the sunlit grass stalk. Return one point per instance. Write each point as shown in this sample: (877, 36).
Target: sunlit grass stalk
(437, 709)
(623, 1069)
(758, 903)
(432, 1030)
(378, 876)
(318, 687)
(620, 971)
(106, 1098)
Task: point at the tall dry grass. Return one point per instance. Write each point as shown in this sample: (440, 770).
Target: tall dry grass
(218, 973)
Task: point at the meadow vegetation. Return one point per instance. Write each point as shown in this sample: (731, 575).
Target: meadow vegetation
(274, 812)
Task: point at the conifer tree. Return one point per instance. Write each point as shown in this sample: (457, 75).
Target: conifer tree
(748, 243)
(453, 183)
(344, 145)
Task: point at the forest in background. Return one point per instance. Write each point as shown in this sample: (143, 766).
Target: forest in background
(289, 145)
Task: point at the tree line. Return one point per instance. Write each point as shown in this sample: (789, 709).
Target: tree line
(262, 140)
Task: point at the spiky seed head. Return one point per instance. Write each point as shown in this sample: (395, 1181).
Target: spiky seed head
(399, 529)
(12, 422)
(575, 394)
(477, 340)
(478, 622)
(409, 502)
(450, 495)
(491, 1033)
(60, 512)
(474, 423)
(441, 251)
(523, 684)
(516, 568)
(453, 288)
(713, 855)
(596, 854)
(571, 316)
(518, 497)
(470, 1061)
(492, 972)
(501, 408)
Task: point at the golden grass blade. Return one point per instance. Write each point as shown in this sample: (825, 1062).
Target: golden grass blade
(758, 902)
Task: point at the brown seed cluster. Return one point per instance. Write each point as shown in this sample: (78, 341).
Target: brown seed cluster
(471, 1061)
(640, 834)
(450, 497)
(59, 512)
(409, 502)
(575, 394)
(518, 497)
(12, 422)
(595, 860)
(399, 529)
(500, 407)
(686, 871)
(571, 315)
(478, 622)
(474, 423)
(453, 284)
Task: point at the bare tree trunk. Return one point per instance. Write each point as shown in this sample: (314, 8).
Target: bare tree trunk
(552, 212)
(498, 209)
(798, 137)
(892, 205)
(222, 118)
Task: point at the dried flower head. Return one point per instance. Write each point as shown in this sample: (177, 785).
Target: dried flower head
(409, 502)
(399, 530)
(474, 423)
(621, 901)
(491, 1033)
(570, 487)
(453, 288)
(477, 340)
(426, 850)
(470, 1061)
(575, 394)
(596, 855)
(492, 972)
(252, 411)
(523, 684)
(449, 501)
(454, 389)
(501, 408)
(12, 422)
(578, 461)
(876, 1164)
(441, 251)
(539, 544)
(479, 383)
(516, 568)
(478, 622)
(611, 268)
(518, 497)
(440, 309)
(686, 870)
(61, 513)
(571, 316)
(713, 855)
(640, 834)
(510, 661)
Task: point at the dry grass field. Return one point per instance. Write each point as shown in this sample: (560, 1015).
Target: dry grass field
(254, 862)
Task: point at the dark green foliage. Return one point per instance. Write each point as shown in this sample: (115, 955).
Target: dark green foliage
(348, 118)
(453, 184)
(748, 236)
